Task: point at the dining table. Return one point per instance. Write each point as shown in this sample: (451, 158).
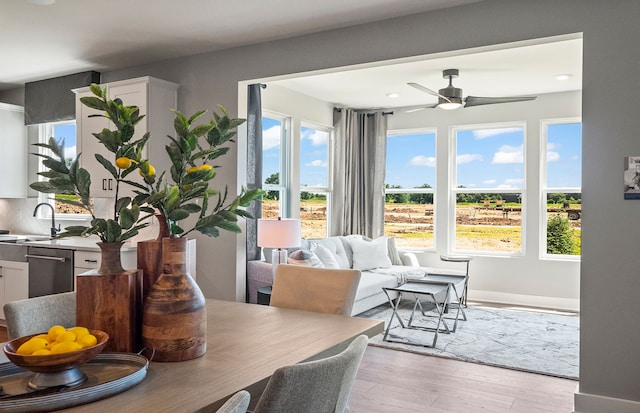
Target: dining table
(246, 343)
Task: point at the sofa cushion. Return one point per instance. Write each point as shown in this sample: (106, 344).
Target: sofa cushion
(305, 257)
(370, 254)
(333, 244)
(327, 257)
(402, 273)
(372, 283)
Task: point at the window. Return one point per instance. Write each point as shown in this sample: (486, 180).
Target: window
(409, 188)
(488, 172)
(275, 165)
(314, 180)
(60, 131)
(561, 187)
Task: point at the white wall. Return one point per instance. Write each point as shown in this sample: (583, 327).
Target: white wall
(609, 280)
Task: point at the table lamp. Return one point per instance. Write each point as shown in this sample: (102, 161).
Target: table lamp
(278, 234)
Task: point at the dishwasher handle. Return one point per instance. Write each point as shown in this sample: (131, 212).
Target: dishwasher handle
(44, 257)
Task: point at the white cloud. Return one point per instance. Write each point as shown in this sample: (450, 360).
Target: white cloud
(69, 152)
(487, 133)
(468, 157)
(489, 182)
(513, 181)
(508, 154)
(271, 138)
(317, 163)
(553, 156)
(422, 160)
(317, 137)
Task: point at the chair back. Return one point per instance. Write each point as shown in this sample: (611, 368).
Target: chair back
(320, 386)
(38, 314)
(322, 290)
(238, 403)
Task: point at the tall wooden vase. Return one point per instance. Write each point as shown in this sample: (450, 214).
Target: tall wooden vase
(149, 253)
(174, 319)
(110, 299)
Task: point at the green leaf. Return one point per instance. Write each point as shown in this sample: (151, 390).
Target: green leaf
(94, 103)
(127, 218)
(122, 203)
(178, 214)
(107, 165)
(191, 208)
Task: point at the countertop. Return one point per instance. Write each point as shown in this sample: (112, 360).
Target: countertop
(75, 243)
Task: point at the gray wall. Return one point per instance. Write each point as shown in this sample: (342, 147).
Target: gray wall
(610, 332)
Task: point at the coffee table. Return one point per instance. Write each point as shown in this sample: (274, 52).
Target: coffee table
(436, 292)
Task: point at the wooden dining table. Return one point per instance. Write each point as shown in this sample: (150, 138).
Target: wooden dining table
(246, 343)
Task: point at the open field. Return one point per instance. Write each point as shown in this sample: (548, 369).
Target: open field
(477, 227)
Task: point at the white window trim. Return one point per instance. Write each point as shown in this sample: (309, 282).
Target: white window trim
(453, 190)
(285, 164)
(544, 190)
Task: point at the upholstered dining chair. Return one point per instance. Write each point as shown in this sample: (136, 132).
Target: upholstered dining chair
(38, 314)
(319, 386)
(238, 403)
(321, 290)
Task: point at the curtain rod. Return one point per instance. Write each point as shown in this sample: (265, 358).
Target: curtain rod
(369, 114)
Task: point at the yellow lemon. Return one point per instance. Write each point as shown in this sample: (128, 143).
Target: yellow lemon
(66, 336)
(33, 344)
(41, 352)
(79, 331)
(65, 347)
(192, 169)
(44, 336)
(205, 167)
(152, 171)
(88, 340)
(123, 162)
(54, 331)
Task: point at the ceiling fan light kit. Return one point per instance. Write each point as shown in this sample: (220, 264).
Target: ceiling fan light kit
(450, 97)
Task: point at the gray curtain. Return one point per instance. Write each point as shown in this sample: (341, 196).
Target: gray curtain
(357, 200)
(254, 165)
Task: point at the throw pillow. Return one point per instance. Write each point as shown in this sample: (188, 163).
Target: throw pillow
(306, 258)
(392, 250)
(370, 254)
(327, 257)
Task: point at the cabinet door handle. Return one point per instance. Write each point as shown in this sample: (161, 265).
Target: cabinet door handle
(104, 184)
(110, 186)
(92, 261)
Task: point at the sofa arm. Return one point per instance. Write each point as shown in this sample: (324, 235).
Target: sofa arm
(410, 259)
(259, 274)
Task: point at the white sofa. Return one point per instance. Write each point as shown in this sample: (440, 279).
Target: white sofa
(379, 261)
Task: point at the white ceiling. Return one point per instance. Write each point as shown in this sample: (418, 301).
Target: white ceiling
(502, 70)
(69, 36)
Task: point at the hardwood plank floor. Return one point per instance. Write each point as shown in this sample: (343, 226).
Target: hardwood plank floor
(390, 380)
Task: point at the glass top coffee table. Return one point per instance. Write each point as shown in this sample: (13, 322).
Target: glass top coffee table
(433, 291)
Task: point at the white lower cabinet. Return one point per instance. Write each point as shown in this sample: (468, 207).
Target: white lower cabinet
(84, 261)
(14, 282)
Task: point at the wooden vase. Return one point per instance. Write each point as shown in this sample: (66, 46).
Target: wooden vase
(174, 320)
(111, 301)
(150, 256)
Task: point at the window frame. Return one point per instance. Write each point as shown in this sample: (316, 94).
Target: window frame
(545, 190)
(453, 190)
(284, 174)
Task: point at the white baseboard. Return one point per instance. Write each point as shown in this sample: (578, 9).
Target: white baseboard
(555, 303)
(592, 403)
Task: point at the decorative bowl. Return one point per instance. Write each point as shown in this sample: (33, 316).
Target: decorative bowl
(53, 363)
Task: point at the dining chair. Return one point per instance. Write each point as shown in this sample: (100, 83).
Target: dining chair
(321, 290)
(238, 403)
(319, 386)
(38, 314)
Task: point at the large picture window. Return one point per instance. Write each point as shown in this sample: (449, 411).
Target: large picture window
(488, 172)
(314, 180)
(562, 193)
(409, 188)
(275, 165)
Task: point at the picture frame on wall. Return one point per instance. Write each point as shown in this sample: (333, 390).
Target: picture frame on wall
(632, 177)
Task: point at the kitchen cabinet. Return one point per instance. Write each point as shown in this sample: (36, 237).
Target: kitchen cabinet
(14, 282)
(13, 157)
(90, 260)
(155, 98)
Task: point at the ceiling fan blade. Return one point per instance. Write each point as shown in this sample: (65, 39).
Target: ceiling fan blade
(479, 100)
(418, 108)
(427, 90)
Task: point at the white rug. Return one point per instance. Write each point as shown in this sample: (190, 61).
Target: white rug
(538, 342)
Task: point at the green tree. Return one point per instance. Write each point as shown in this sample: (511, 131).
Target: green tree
(557, 198)
(395, 198)
(421, 198)
(560, 238)
(273, 179)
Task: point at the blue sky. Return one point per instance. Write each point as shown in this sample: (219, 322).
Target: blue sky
(68, 132)
(486, 158)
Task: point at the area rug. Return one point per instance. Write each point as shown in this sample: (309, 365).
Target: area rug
(537, 342)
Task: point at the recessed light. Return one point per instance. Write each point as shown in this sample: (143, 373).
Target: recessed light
(393, 95)
(563, 76)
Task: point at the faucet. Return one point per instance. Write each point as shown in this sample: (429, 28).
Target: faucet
(54, 230)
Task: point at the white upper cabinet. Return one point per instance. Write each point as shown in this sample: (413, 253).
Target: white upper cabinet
(13, 156)
(155, 98)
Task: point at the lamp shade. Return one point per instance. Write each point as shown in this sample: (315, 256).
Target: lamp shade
(279, 233)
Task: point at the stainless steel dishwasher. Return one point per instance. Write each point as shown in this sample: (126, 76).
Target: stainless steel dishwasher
(50, 271)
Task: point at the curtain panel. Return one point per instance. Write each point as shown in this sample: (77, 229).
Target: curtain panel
(357, 201)
(254, 166)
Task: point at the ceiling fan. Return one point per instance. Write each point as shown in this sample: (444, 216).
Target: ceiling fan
(451, 97)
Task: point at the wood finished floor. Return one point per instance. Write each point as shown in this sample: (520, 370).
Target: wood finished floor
(398, 381)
